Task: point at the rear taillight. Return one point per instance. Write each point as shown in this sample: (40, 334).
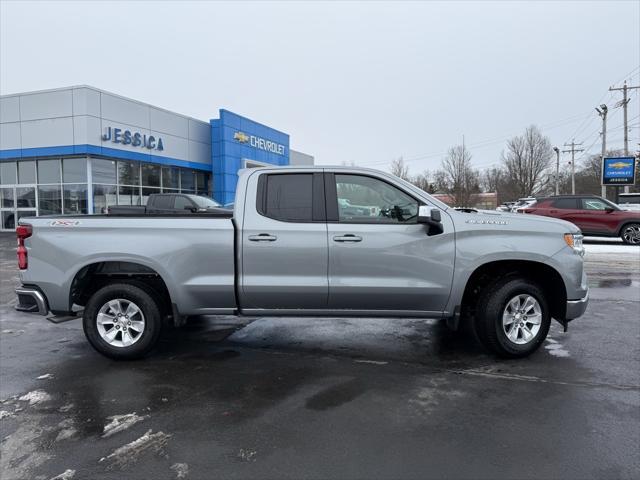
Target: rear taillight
(22, 232)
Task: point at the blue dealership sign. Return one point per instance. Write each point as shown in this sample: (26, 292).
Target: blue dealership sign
(618, 171)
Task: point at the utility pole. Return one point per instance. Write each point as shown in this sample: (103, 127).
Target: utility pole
(602, 111)
(573, 151)
(557, 150)
(624, 103)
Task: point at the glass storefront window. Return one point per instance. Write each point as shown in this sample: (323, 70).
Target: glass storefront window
(129, 195)
(26, 197)
(6, 198)
(103, 196)
(49, 199)
(187, 180)
(74, 170)
(26, 213)
(75, 198)
(103, 171)
(8, 219)
(8, 173)
(170, 178)
(49, 171)
(146, 192)
(27, 171)
(128, 173)
(150, 175)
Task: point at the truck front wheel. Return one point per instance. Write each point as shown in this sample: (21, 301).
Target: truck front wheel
(122, 321)
(512, 317)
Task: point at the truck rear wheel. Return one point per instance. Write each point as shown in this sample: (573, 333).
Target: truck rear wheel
(512, 317)
(122, 321)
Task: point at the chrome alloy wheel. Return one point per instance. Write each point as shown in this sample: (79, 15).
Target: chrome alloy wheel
(120, 322)
(631, 234)
(521, 319)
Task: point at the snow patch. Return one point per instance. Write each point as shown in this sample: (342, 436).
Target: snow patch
(129, 453)
(46, 376)
(5, 414)
(181, 469)
(35, 397)
(247, 455)
(68, 430)
(119, 423)
(374, 362)
(556, 349)
(68, 474)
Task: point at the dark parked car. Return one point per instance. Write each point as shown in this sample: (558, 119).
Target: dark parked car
(595, 216)
(168, 203)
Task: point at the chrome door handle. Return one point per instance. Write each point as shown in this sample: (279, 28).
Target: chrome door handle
(347, 238)
(263, 237)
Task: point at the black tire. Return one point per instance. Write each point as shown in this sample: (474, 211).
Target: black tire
(489, 313)
(630, 234)
(146, 304)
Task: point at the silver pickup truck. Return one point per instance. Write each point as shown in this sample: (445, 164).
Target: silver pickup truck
(295, 245)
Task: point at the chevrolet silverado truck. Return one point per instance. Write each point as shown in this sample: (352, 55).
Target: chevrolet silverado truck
(293, 246)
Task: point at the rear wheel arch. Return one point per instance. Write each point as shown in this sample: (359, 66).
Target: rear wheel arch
(94, 276)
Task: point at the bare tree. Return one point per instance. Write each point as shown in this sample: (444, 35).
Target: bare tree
(400, 169)
(525, 161)
(422, 180)
(461, 179)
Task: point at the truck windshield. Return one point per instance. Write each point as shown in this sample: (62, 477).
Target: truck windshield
(204, 202)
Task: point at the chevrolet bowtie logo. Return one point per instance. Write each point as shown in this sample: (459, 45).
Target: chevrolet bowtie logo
(619, 165)
(241, 137)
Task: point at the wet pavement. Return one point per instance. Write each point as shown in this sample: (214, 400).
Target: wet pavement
(326, 398)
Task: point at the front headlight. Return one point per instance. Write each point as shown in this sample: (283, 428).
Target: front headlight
(574, 240)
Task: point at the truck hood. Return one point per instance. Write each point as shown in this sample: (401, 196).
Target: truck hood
(515, 221)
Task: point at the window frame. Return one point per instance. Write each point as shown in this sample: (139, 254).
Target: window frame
(331, 190)
(318, 205)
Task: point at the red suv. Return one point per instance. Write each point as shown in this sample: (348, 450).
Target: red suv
(595, 216)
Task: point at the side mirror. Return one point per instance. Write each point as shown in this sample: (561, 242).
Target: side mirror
(431, 217)
(191, 208)
(609, 209)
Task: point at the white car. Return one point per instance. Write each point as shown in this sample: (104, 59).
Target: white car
(629, 201)
(522, 203)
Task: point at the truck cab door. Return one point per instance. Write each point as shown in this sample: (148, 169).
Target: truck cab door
(284, 243)
(380, 257)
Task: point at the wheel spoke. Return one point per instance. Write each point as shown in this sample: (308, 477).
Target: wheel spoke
(105, 319)
(514, 305)
(137, 326)
(508, 320)
(115, 306)
(534, 319)
(126, 338)
(111, 334)
(526, 334)
(513, 333)
(529, 303)
(132, 309)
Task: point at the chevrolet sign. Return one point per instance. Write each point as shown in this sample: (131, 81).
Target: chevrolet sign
(258, 142)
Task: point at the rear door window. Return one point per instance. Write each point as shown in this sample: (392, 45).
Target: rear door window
(163, 202)
(565, 203)
(182, 202)
(288, 197)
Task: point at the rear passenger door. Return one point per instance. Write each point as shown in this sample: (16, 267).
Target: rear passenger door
(284, 243)
(565, 209)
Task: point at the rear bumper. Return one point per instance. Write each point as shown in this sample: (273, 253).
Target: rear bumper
(31, 300)
(575, 308)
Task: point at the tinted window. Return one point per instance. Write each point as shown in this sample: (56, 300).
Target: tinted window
(364, 199)
(103, 171)
(49, 199)
(289, 197)
(27, 171)
(74, 170)
(565, 203)
(163, 201)
(182, 202)
(75, 199)
(170, 177)
(48, 171)
(150, 175)
(128, 173)
(8, 173)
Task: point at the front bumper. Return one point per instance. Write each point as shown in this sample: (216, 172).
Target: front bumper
(575, 308)
(31, 300)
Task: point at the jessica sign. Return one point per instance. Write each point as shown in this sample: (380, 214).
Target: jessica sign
(135, 139)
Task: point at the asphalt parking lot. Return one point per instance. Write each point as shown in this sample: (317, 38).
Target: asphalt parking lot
(327, 398)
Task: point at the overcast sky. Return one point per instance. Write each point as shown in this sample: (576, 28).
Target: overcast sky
(350, 82)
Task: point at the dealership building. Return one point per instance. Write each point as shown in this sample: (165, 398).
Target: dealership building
(79, 149)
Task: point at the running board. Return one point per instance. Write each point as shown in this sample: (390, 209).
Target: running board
(64, 318)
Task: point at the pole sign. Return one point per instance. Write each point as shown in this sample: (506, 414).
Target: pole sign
(618, 171)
